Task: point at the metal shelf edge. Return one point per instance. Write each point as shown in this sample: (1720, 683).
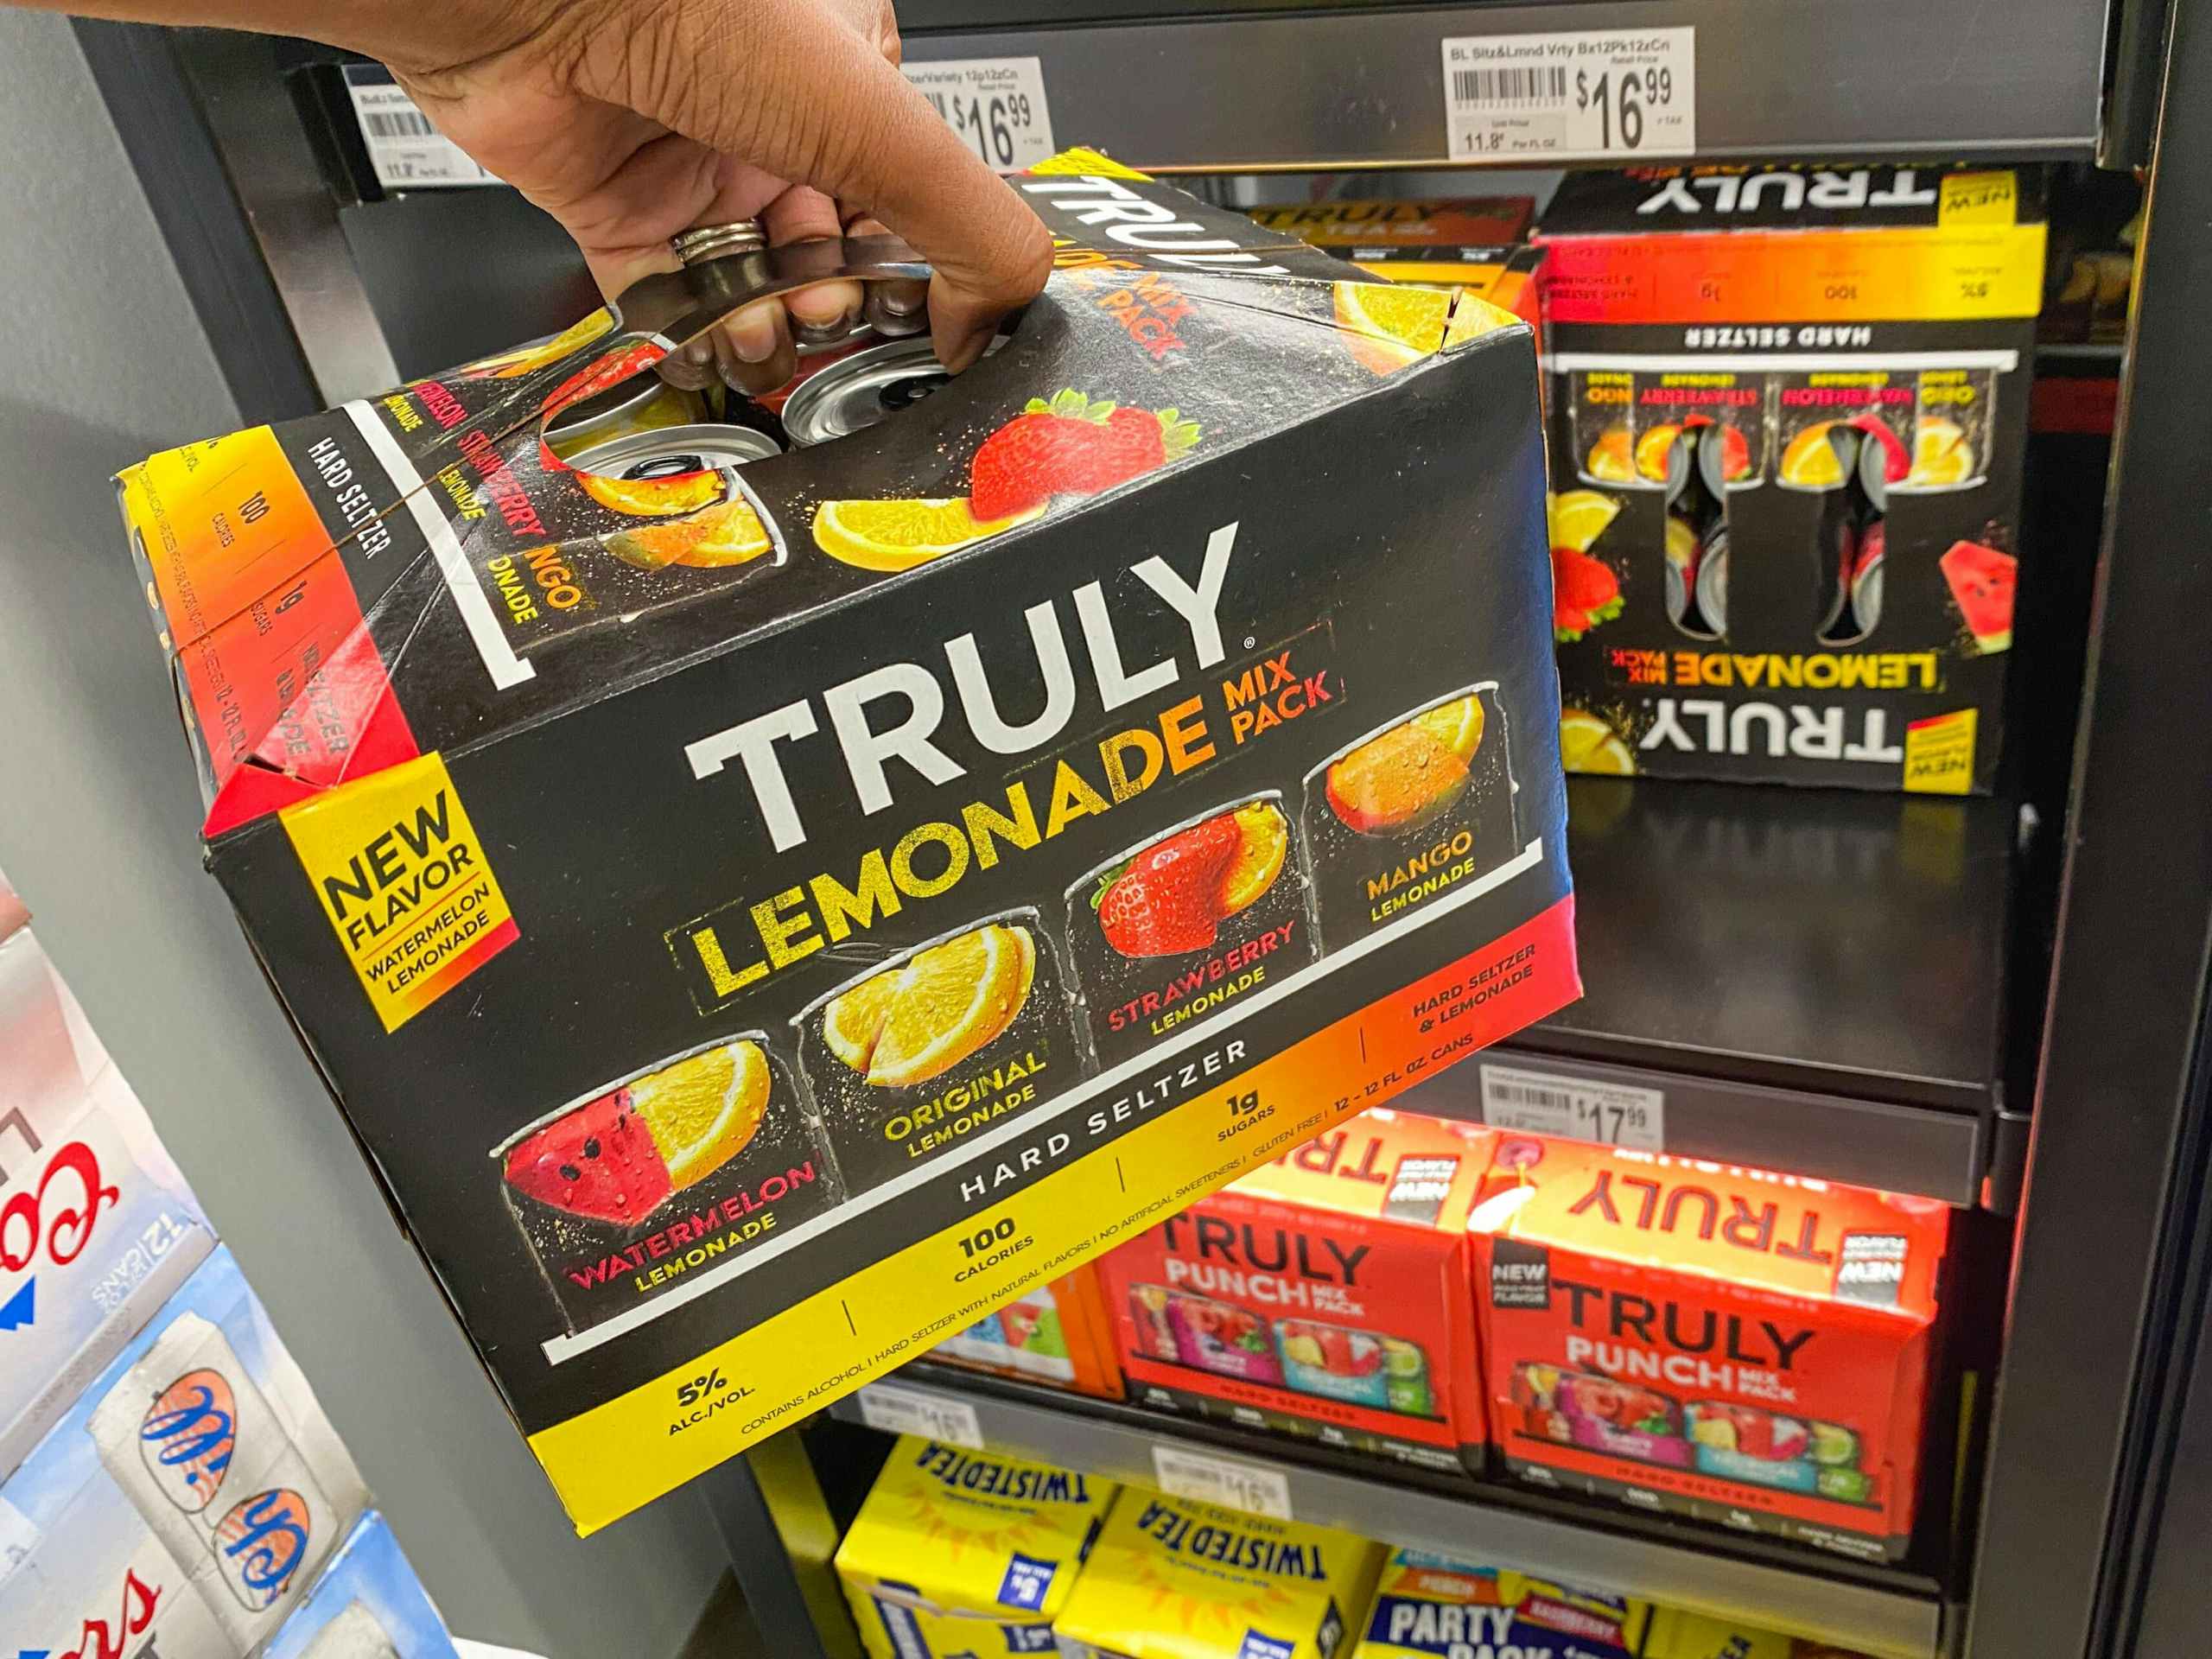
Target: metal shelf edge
(1884, 1624)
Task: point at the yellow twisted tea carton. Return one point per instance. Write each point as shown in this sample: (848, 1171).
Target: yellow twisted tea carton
(1432, 1607)
(957, 1552)
(1172, 1578)
(767, 895)
(1677, 1634)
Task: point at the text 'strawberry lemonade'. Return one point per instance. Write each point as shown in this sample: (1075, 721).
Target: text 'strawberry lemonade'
(812, 762)
(1746, 1347)
(1187, 923)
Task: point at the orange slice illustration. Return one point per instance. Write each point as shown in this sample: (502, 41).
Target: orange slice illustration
(1264, 844)
(726, 534)
(909, 1024)
(1396, 782)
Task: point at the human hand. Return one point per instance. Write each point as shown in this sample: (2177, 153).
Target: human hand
(631, 122)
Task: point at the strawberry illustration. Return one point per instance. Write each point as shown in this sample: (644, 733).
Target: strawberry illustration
(1070, 446)
(1585, 592)
(1167, 900)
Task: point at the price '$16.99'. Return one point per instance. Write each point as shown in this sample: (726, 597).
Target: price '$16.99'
(995, 106)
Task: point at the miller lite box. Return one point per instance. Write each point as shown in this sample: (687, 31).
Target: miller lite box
(1323, 1294)
(366, 1604)
(96, 1227)
(1789, 409)
(767, 895)
(187, 1501)
(1748, 1349)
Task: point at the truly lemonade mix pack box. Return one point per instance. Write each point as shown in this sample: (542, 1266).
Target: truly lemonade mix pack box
(760, 915)
(1746, 1347)
(1432, 1607)
(1323, 1293)
(957, 1552)
(1173, 1578)
(1788, 412)
(1476, 243)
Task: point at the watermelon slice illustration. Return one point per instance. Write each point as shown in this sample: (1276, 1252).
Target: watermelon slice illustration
(1982, 581)
(620, 1156)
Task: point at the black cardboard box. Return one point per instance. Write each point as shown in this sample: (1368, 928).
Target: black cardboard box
(757, 919)
(1787, 408)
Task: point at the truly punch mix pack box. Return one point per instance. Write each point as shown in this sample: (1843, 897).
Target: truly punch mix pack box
(1323, 1293)
(1476, 243)
(367, 1604)
(1787, 411)
(187, 1501)
(1746, 1347)
(1058, 1333)
(1173, 1578)
(757, 918)
(1432, 1607)
(96, 1227)
(957, 1552)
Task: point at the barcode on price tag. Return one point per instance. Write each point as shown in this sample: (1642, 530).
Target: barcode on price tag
(1571, 96)
(1252, 1487)
(1544, 1103)
(995, 104)
(404, 149)
(897, 1410)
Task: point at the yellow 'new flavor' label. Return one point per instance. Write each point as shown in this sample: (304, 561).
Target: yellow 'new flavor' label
(401, 878)
(1978, 199)
(1939, 754)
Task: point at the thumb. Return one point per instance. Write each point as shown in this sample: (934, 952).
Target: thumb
(788, 88)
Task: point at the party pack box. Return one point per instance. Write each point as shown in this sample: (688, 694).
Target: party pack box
(957, 1552)
(1746, 1347)
(1432, 1607)
(1789, 409)
(187, 1501)
(759, 917)
(96, 1227)
(1323, 1294)
(1173, 1578)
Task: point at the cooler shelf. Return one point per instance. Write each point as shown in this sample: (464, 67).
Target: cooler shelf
(1813, 980)
(1231, 88)
(1886, 1613)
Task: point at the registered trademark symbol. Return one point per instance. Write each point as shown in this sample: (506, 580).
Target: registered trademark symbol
(1249, 642)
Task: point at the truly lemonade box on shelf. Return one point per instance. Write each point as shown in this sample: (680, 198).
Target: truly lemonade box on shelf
(1676, 1634)
(1434, 1607)
(957, 1552)
(96, 1227)
(1478, 242)
(367, 1604)
(818, 894)
(187, 1501)
(1058, 1333)
(1788, 410)
(1173, 1578)
(1323, 1293)
(1746, 1347)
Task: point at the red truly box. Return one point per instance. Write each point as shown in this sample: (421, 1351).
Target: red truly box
(1742, 1347)
(1323, 1294)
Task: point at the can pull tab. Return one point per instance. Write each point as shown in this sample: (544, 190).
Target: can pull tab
(727, 267)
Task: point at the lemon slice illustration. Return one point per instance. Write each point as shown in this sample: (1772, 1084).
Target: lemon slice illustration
(895, 535)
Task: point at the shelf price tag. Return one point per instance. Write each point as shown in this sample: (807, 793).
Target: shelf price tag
(1571, 96)
(996, 106)
(1546, 1103)
(1235, 1484)
(404, 149)
(897, 1410)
